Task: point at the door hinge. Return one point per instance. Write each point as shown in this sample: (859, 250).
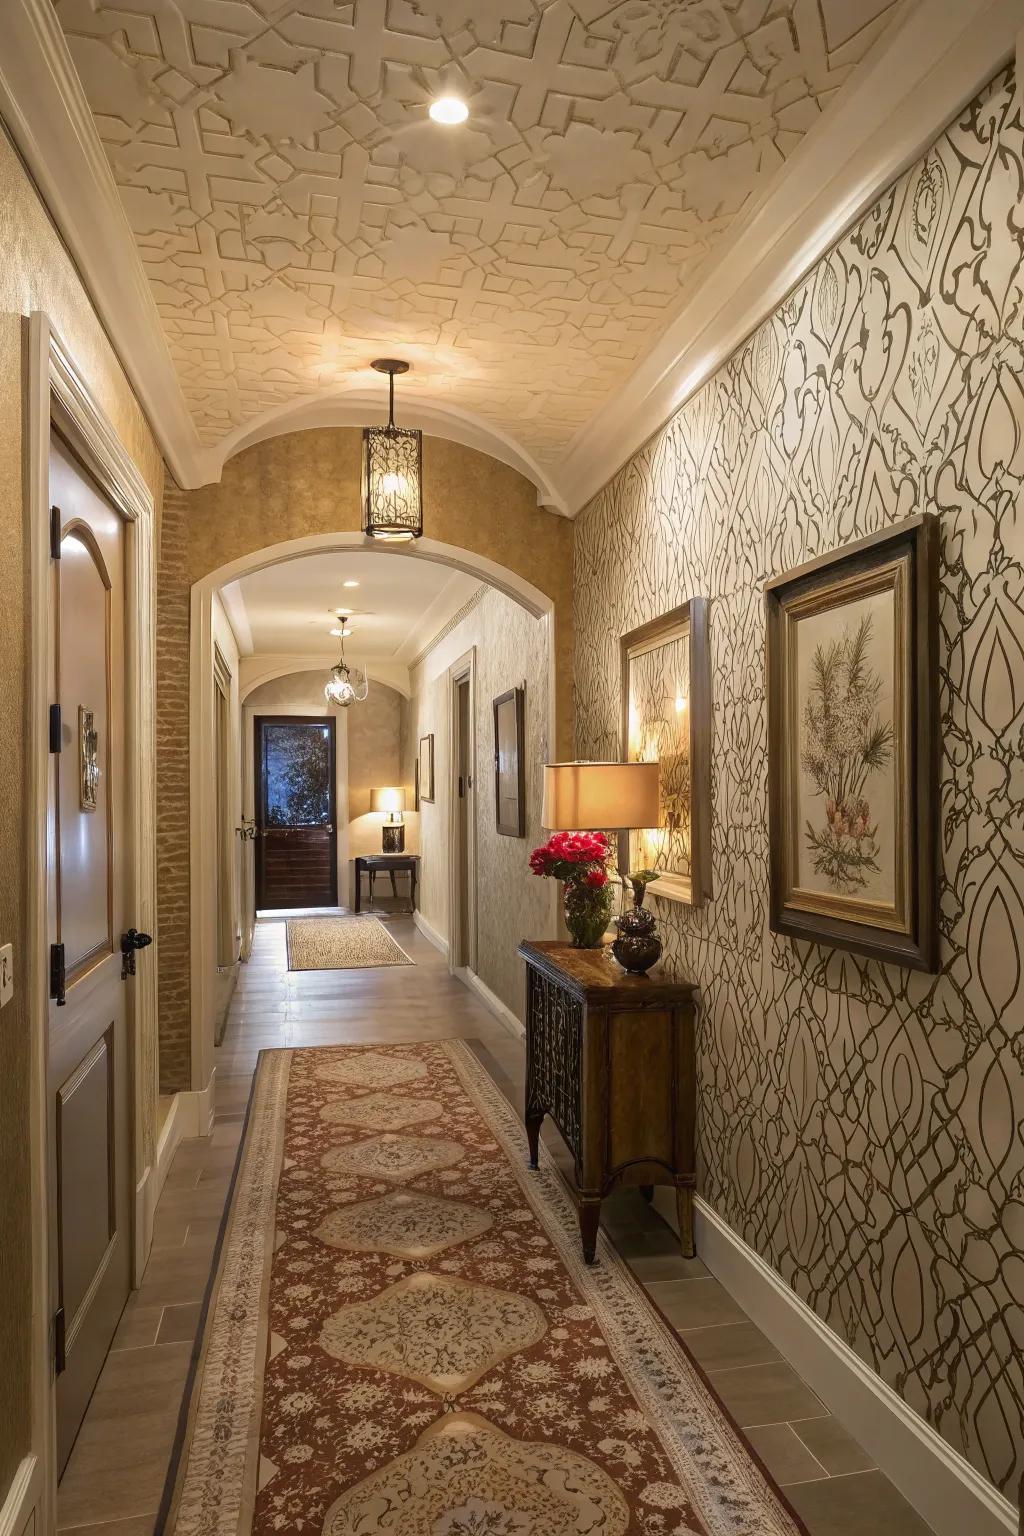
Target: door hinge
(462, 787)
(58, 991)
(55, 533)
(55, 725)
(59, 1342)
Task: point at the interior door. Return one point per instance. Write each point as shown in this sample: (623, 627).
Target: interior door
(465, 787)
(296, 843)
(87, 1078)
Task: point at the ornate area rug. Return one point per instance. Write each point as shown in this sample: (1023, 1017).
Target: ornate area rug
(401, 1337)
(341, 944)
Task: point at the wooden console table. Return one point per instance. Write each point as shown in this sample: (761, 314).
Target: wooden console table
(611, 1059)
(374, 864)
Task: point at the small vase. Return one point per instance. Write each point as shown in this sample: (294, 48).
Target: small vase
(637, 947)
(587, 911)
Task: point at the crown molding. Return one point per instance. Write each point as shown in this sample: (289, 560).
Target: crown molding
(898, 101)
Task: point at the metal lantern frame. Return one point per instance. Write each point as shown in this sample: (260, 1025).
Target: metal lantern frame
(395, 451)
(342, 677)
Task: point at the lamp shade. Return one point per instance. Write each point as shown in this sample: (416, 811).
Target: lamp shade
(390, 800)
(588, 797)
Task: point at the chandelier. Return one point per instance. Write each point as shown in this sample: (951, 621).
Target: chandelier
(345, 686)
(392, 471)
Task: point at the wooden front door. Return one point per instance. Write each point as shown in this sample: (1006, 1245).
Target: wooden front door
(88, 1077)
(296, 843)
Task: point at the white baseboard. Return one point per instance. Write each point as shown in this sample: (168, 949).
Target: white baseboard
(947, 1492)
(18, 1512)
(195, 1108)
(430, 933)
(491, 1001)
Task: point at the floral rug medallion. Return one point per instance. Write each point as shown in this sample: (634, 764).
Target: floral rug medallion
(402, 1338)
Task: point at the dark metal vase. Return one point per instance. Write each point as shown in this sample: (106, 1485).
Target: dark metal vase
(637, 947)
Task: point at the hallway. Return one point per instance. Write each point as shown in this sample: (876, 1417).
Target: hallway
(115, 1478)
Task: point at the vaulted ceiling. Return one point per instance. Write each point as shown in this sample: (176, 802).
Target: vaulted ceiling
(297, 213)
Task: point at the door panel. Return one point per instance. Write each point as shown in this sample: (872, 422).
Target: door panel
(296, 847)
(89, 1128)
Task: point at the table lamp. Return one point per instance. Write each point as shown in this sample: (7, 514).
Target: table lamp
(606, 797)
(391, 801)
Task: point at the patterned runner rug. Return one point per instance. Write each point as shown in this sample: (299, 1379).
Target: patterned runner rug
(341, 944)
(401, 1337)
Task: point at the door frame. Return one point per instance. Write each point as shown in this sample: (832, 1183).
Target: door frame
(461, 671)
(59, 397)
(257, 789)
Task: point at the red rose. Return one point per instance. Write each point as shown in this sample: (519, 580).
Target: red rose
(596, 878)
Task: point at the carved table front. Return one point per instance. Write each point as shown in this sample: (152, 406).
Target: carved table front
(611, 1059)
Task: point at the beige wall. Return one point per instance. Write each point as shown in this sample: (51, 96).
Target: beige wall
(288, 488)
(35, 274)
(511, 651)
(862, 1127)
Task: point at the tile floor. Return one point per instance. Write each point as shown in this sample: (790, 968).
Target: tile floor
(114, 1479)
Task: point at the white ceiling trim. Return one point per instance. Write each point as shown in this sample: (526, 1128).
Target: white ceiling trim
(268, 667)
(935, 60)
(902, 96)
(233, 602)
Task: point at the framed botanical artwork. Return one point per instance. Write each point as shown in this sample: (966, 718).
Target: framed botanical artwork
(853, 747)
(425, 769)
(509, 765)
(88, 759)
(666, 718)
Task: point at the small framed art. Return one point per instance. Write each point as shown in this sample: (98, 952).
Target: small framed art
(666, 718)
(853, 752)
(509, 766)
(425, 769)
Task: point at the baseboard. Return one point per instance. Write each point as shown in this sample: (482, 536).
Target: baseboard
(491, 1001)
(195, 1109)
(947, 1492)
(150, 1186)
(430, 933)
(19, 1508)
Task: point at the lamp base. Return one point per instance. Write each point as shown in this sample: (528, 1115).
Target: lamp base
(393, 838)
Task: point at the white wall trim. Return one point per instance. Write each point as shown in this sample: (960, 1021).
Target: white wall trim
(150, 1186)
(430, 933)
(195, 1110)
(19, 1505)
(491, 1001)
(947, 1492)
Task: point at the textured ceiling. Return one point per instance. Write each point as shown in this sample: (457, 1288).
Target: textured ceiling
(298, 213)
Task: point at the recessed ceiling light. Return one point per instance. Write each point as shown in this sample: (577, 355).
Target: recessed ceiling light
(350, 583)
(342, 613)
(449, 110)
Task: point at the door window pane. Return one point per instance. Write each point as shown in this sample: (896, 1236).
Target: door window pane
(297, 775)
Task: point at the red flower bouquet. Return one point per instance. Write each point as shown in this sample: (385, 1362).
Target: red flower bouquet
(580, 861)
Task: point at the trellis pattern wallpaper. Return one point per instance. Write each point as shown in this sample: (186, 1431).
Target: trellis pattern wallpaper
(861, 1126)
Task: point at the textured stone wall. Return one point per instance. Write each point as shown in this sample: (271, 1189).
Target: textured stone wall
(291, 487)
(862, 1127)
(36, 273)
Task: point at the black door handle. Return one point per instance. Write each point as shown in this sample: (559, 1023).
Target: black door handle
(130, 942)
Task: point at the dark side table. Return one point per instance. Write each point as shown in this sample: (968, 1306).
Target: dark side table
(611, 1059)
(374, 864)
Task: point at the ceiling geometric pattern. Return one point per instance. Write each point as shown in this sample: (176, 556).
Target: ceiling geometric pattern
(297, 212)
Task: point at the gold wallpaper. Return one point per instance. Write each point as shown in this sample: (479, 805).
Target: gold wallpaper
(862, 1127)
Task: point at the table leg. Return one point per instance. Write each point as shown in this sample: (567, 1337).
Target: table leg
(684, 1211)
(412, 887)
(590, 1220)
(394, 887)
(534, 1120)
(359, 887)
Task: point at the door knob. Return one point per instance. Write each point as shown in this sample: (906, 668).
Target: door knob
(130, 942)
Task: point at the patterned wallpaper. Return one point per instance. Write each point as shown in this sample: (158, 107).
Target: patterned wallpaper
(862, 1127)
(511, 649)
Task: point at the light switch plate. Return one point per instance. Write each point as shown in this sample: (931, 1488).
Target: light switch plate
(6, 974)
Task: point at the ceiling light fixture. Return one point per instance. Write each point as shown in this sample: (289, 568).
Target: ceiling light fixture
(346, 686)
(342, 633)
(392, 471)
(350, 583)
(449, 110)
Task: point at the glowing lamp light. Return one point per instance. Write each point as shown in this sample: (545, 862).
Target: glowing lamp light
(449, 110)
(390, 800)
(392, 471)
(346, 685)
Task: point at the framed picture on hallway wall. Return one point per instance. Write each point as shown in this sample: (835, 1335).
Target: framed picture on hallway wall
(666, 718)
(509, 766)
(425, 769)
(853, 750)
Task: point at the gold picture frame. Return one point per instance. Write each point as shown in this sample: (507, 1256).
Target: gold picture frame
(852, 682)
(666, 717)
(425, 770)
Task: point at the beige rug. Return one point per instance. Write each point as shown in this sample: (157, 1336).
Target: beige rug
(341, 944)
(402, 1338)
